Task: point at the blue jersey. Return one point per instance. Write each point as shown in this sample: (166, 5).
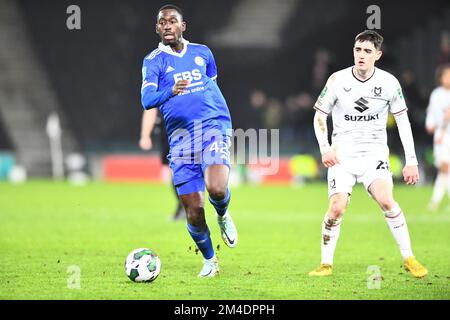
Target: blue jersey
(202, 102)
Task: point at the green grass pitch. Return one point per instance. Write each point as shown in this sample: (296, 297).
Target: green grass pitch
(47, 227)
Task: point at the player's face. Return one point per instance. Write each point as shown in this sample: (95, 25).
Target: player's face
(170, 27)
(445, 78)
(365, 55)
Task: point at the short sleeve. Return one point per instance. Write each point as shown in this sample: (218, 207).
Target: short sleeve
(211, 68)
(327, 98)
(397, 103)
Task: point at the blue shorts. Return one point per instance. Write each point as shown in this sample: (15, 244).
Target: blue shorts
(188, 171)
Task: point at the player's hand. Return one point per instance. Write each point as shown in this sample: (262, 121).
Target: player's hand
(180, 87)
(411, 174)
(329, 159)
(145, 143)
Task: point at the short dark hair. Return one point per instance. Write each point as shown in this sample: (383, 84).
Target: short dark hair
(170, 6)
(371, 36)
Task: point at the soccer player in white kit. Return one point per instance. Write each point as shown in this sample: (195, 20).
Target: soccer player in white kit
(359, 99)
(438, 117)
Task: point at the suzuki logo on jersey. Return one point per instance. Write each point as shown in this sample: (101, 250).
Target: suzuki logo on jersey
(362, 105)
(369, 117)
(193, 75)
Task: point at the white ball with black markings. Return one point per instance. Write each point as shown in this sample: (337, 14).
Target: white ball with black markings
(142, 265)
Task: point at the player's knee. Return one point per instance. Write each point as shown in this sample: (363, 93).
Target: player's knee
(386, 203)
(217, 191)
(195, 215)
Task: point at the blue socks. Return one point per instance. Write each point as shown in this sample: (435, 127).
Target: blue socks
(201, 236)
(202, 239)
(221, 206)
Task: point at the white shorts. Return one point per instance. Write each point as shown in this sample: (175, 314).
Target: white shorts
(343, 176)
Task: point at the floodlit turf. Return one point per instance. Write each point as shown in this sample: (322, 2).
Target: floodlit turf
(47, 227)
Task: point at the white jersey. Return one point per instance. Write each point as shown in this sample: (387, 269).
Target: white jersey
(359, 111)
(439, 103)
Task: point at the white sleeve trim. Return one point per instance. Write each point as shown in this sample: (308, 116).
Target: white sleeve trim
(406, 136)
(145, 85)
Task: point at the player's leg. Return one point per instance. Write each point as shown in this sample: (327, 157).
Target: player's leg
(216, 180)
(188, 179)
(216, 170)
(331, 227)
(340, 184)
(439, 188)
(381, 191)
(440, 184)
(193, 203)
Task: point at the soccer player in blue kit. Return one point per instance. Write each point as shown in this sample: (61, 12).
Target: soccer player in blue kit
(179, 78)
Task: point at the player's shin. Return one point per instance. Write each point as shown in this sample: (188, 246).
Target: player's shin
(397, 224)
(221, 205)
(202, 239)
(330, 235)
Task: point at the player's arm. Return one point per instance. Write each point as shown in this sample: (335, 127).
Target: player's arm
(151, 97)
(211, 68)
(400, 112)
(323, 106)
(147, 125)
(411, 170)
(431, 123)
(329, 158)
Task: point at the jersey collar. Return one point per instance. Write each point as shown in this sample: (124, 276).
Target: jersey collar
(168, 49)
(374, 69)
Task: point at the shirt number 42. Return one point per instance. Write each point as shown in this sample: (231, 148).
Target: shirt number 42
(221, 147)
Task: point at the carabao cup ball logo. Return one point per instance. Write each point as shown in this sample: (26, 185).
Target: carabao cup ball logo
(199, 61)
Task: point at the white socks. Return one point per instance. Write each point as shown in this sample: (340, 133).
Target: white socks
(330, 235)
(397, 224)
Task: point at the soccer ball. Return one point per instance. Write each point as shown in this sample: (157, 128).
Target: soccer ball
(142, 265)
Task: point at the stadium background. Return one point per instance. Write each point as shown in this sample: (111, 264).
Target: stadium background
(273, 60)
